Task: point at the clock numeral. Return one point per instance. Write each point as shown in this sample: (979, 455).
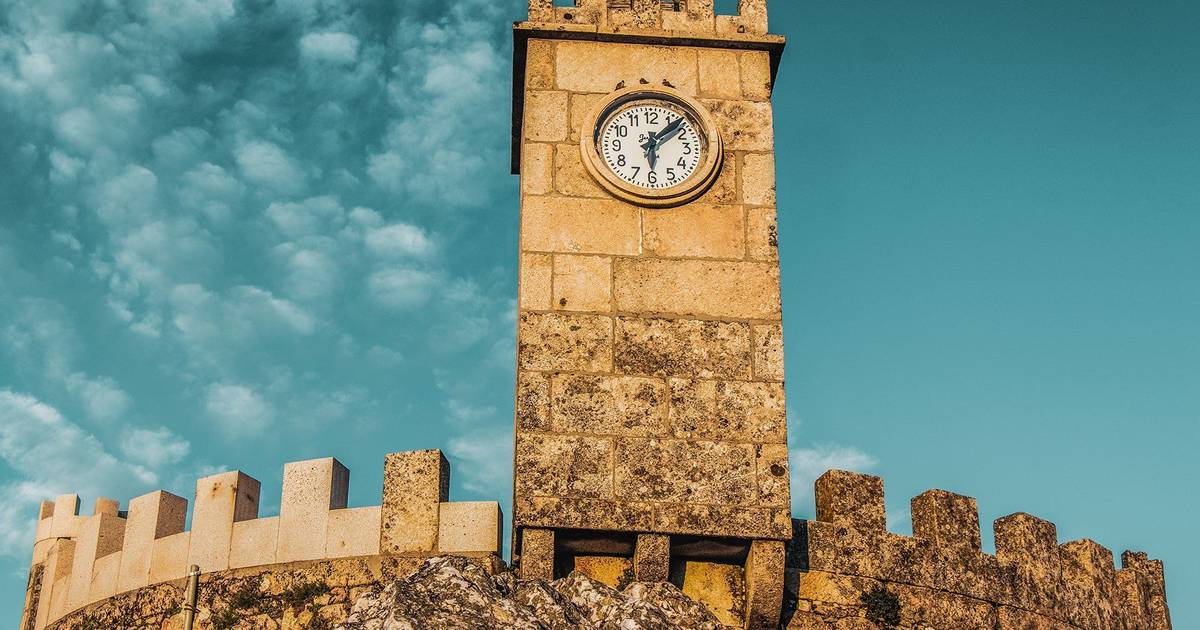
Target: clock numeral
(621, 160)
(616, 145)
(622, 131)
(687, 148)
(652, 118)
(671, 174)
(652, 177)
(636, 171)
(681, 163)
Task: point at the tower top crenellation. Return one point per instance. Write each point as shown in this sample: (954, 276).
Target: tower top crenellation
(681, 16)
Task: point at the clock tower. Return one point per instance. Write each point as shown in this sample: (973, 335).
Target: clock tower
(651, 429)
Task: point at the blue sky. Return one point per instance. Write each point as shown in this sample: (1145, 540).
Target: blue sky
(236, 233)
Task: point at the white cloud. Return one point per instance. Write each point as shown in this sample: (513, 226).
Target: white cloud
(808, 464)
(399, 240)
(102, 399)
(401, 288)
(313, 216)
(238, 411)
(483, 461)
(333, 47)
(154, 447)
(267, 164)
(50, 455)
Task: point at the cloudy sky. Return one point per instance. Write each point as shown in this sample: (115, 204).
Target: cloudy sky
(236, 233)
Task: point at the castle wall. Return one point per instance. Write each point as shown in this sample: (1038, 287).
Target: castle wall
(847, 571)
(81, 561)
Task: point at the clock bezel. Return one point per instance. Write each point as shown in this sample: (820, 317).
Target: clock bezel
(689, 189)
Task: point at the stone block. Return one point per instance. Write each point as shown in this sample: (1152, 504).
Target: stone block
(545, 116)
(541, 11)
(744, 125)
(756, 75)
(1089, 585)
(609, 405)
(105, 505)
(582, 283)
(762, 232)
(652, 558)
(671, 471)
(724, 190)
(571, 178)
(614, 571)
(539, 65)
(470, 528)
(101, 535)
(768, 352)
(562, 342)
(695, 231)
(685, 22)
(105, 574)
(1009, 618)
(682, 348)
(310, 490)
(537, 273)
(741, 290)
(580, 226)
(151, 516)
(764, 584)
(45, 510)
(728, 410)
(353, 532)
(583, 513)
(221, 501)
(533, 401)
(774, 482)
(415, 484)
(254, 543)
(758, 179)
(949, 520)
(752, 14)
(720, 587)
(537, 554)
(564, 466)
(578, 71)
(720, 74)
(582, 106)
(169, 558)
(537, 168)
(851, 499)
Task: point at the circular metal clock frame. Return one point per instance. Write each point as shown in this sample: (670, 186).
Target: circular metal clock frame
(695, 185)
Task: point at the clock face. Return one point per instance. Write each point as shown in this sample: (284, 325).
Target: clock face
(651, 144)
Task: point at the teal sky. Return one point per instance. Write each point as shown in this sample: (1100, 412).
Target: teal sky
(236, 233)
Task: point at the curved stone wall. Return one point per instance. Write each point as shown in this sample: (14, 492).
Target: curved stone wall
(81, 560)
(848, 571)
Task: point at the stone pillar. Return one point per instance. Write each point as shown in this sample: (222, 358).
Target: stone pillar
(310, 490)
(414, 487)
(652, 558)
(537, 554)
(950, 521)
(764, 584)
(151, 516)
(851, 499)
(221, 500)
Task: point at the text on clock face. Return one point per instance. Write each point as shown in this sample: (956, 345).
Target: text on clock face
(651, 146)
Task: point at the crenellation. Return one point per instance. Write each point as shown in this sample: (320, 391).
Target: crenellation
(949, 520)
(676, 16)
(940, 574)
(111, 555)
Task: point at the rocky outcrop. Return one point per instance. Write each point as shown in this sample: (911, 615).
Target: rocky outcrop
(459, 593)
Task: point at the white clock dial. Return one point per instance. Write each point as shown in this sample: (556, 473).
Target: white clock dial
(651, 145)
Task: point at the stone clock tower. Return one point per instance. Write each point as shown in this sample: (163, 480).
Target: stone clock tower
(651, 433)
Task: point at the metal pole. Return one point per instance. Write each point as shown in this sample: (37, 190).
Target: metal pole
(189, 598)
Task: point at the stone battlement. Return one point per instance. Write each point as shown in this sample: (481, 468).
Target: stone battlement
(683, 16)
(80, 560)
(940, 575)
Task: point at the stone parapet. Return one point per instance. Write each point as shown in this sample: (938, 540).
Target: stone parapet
(80, 561)
(846, 564)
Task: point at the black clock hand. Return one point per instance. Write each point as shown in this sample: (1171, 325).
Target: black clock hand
(657, 139)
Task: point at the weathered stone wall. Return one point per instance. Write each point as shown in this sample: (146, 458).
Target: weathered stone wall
(650, 342)
(79, 560)
(846, 571)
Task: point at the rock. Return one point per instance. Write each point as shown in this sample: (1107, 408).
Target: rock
(452, 592)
